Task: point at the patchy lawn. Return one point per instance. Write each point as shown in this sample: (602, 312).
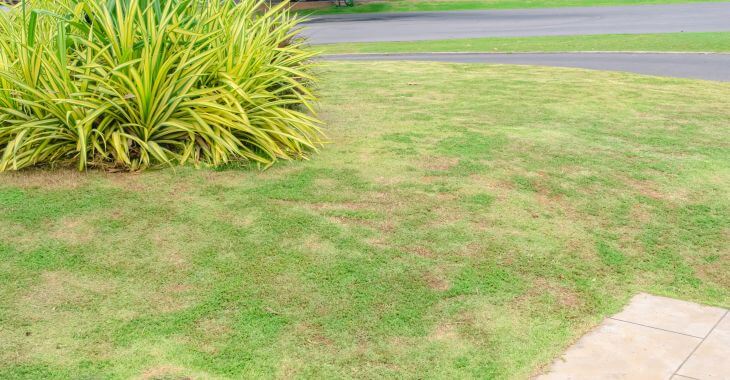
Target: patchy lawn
(663, 42)
(462, 5)
(465, 221)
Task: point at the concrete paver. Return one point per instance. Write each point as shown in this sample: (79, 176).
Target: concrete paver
(671, 314)
(652, 338)
(622, 350)
(711, 360)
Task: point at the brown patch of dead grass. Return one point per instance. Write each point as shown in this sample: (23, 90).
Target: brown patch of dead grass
(565, 297)
(164, 372)
(651, 190)
(444, 332)
(438, 163)
(312, 334)
(129, 181)
(171, 298)
(168, 247)
(58, 288)
(215, 326)
(437, 281)
(65, 179)
(421, 251)
(74, 230)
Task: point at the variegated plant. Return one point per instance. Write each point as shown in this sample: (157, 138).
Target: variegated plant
(133, 84)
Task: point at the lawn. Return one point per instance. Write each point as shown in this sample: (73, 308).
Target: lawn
(460, 5)
(665, 42)
(465, 221)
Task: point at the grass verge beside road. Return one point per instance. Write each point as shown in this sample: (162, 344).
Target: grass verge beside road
(461, 5)
(466, 221)
(669, 42)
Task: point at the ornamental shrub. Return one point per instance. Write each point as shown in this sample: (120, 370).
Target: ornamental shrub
(132, 84)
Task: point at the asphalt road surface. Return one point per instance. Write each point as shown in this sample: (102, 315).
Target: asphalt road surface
(698, 17)
(682, 65)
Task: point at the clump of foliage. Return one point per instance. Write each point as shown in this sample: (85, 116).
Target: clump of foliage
(130, 84)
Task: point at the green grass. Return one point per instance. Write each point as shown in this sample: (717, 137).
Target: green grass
(460, 5)
(466, 221)
(671, 42)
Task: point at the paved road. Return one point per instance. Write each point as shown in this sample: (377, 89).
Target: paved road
(682, 65)
(698, 17)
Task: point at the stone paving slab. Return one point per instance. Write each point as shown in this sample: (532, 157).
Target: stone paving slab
(652, 338)
(711, 360)
(622, 350)
(671, 314)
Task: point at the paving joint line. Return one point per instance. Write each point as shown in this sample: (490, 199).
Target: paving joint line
(699, 344)
(659, 328)
(686, 377)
